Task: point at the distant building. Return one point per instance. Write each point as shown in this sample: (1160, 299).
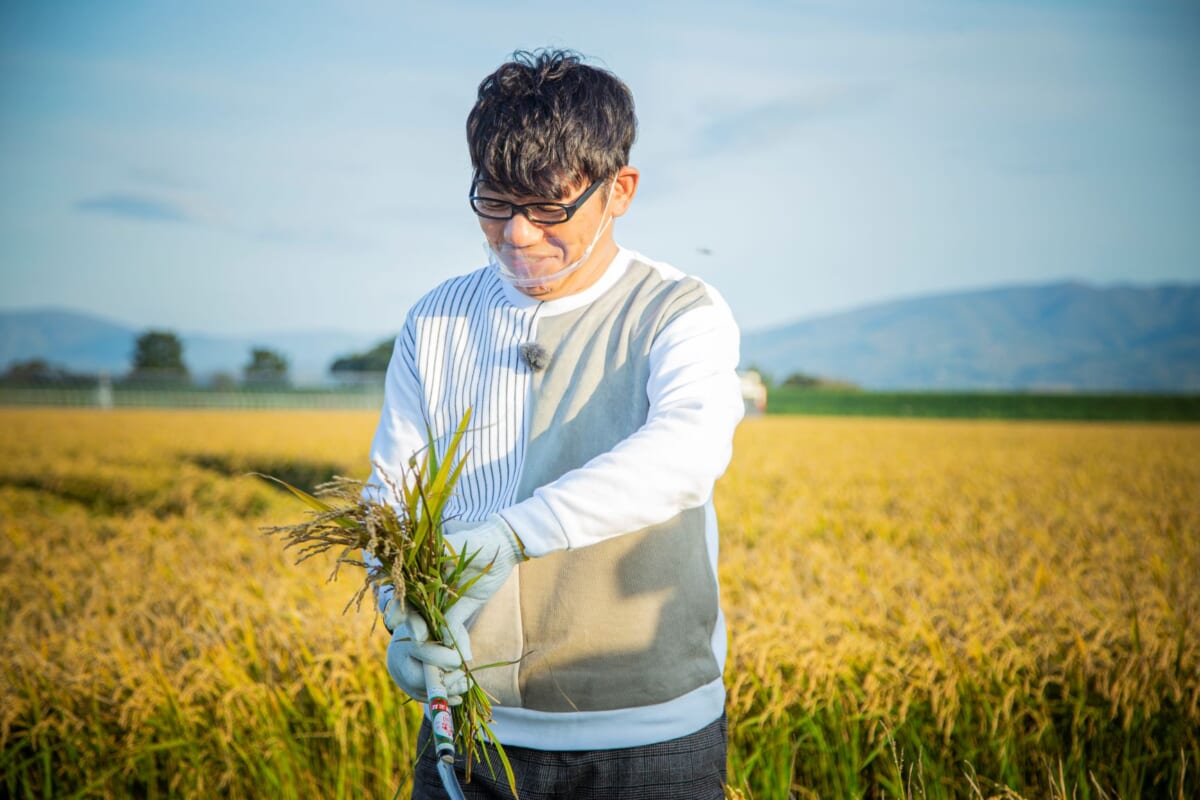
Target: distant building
(754, 392)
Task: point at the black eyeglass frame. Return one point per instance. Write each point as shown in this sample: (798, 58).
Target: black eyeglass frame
(568, 209)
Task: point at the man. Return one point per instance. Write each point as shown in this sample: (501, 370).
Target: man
(604, 399)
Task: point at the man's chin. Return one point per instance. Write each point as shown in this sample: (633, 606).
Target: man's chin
(537, 291)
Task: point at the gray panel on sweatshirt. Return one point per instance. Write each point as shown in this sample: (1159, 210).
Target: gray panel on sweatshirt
(629, 621)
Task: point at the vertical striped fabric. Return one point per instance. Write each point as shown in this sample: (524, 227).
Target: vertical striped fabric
(464, 340)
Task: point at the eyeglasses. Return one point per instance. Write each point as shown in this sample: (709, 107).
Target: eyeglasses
(540, 213)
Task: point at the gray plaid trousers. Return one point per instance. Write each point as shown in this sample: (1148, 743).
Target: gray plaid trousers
(691, 767)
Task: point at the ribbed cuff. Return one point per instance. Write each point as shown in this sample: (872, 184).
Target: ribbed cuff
(539, 530)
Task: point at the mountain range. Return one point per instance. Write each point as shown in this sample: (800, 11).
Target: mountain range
(1058, 337)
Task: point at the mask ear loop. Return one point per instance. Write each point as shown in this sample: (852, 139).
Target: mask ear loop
(525, 282)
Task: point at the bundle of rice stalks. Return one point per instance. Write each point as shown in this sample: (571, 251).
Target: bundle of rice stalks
(401, 526)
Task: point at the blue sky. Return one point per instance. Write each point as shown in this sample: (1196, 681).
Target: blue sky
(234, 167)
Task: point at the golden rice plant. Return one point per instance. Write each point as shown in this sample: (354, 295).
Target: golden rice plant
(1014, 603)
(915, 609)
(165, 650)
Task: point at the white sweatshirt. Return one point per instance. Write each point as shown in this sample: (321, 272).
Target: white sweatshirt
(603, 462)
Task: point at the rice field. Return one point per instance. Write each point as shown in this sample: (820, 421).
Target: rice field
(916, 608)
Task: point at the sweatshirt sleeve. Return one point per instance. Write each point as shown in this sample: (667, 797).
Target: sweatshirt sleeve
(401, 430)
(666, 466)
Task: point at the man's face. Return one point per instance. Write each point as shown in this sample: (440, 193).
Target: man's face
(532, 250)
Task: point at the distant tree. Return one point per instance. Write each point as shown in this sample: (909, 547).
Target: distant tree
(35, 370)
(158, 358)
(802, 380)
(266, 368)
(222, 381)
(374, 360)
(39, 372)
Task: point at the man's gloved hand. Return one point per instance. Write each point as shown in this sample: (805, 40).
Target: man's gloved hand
(496, 549)
(409, 651)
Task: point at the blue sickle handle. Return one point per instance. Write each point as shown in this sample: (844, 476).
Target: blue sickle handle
(443, 730)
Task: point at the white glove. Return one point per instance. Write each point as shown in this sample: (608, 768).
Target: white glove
(496, 550)
(409, 651)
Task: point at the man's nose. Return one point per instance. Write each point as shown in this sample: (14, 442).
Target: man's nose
(520, 231)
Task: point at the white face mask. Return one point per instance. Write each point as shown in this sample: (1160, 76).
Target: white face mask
(511, 272)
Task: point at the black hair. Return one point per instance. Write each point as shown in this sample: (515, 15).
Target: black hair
(545, 122)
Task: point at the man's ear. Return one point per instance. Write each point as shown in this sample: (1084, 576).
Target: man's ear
(625, 187)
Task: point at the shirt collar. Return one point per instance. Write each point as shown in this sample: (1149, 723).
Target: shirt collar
(612, 273)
